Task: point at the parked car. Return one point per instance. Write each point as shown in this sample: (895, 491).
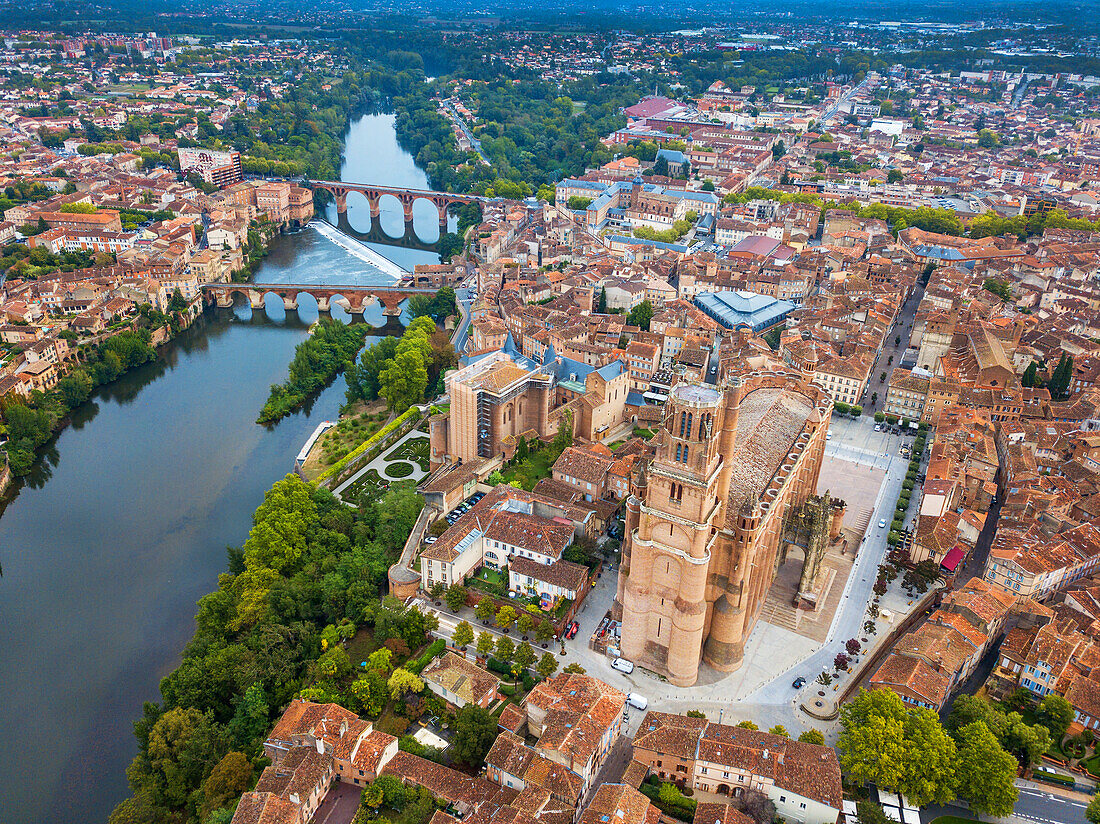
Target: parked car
(878, 427)
(571, 631)
(635, 700)
(622, 665)
(829, 435)
(799, 683)
(882, 523)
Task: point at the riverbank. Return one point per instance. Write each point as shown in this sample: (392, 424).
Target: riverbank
(121, 525)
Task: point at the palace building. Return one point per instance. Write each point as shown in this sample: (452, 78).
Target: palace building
(712, 516)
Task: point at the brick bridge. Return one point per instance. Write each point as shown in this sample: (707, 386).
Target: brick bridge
(352, 298)
(406, 197)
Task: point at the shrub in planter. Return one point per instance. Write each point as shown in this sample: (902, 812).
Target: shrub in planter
(908, 485)
(891, 419)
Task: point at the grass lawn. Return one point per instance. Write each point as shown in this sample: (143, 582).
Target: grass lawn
(640, 432)
(361, 646)
(952, 819)
(530, 471)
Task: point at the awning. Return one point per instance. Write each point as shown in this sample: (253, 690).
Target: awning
(951, 559)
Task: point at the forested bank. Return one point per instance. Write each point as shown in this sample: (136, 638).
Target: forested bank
(311, 572)
(29, 423)
(317, 360)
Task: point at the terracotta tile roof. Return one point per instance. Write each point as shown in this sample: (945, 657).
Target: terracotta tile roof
(461, 677)
(564, 574)
(617, 804)
(264, 808)
(440, 781)
(718, 813)
(914, 674)
(579, 712)
(512, 756)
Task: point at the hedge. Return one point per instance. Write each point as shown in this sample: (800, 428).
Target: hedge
(369, 443)
(434, 649)
(1053, 778)
(498, 666)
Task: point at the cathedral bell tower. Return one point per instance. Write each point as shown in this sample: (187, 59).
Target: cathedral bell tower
(670, 535)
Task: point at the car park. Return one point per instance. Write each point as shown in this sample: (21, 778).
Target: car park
(622, 665)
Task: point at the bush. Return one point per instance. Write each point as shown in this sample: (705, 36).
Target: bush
(399, 469)
(856, 411)
(880, 417)
(1053, 778)
(435, 648)
(842, 408)
(893, 538)
(891, 419)
(908, 485)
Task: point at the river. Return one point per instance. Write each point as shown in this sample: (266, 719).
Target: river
(123, 525)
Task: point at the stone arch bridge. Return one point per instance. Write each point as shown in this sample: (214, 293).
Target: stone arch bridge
(406, 197)
(353, 298)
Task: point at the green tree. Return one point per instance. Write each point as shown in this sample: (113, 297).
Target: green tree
(1060, 378)
(485, 609)
(872, 739)
(250, 721)
(988, 139)
(506, 617)
(475, 731)
(230, 777)
(381, 661)
(812, 737)
(455, 596)
(505, 647)
(547, 666)
(403, 380)
(485, 644)
(544, 631)
(895, 176)
(928, 775)
(986, 772)
(747, 725)
(1055, 713)
(869, 812)
(463, 634)
(1030, 378)
(402, 681)
(641, 315)
(1092, 811)
(780, 730)
(525, 623)
(525, 656)
(601, 306)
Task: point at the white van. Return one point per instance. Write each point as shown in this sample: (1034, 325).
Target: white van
(639, 702)
(622, 665)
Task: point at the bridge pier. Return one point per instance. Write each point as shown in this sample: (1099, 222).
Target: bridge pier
(255, 298)
(375, 210)
(290, 302)
(341, 202)
(323, 304)
(223, 300)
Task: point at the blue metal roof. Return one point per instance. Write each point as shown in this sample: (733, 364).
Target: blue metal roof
(734, 309)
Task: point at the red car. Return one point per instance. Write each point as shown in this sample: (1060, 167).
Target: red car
(571, 632)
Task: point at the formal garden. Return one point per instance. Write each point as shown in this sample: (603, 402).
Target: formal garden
(407, 462)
